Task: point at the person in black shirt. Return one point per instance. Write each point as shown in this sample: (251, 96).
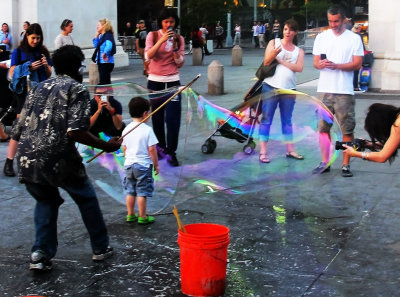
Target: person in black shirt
(106, 114)
(129, 30)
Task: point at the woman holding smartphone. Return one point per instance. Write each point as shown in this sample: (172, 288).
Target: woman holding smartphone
(290, 60)
(31, 50)
(165, 51)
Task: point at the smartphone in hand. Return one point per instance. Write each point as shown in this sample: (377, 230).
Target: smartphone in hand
(104, 98)
(323, 56)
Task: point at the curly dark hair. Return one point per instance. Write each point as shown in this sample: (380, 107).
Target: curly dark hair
(67, 60)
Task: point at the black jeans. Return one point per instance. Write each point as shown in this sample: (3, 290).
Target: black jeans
(355, 78)
(105, 70)
(169, 115)
(219, 41)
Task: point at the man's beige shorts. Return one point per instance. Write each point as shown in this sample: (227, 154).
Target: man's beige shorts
(343, 107)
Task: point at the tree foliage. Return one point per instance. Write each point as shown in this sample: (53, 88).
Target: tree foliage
(315, 10)
(196, 12)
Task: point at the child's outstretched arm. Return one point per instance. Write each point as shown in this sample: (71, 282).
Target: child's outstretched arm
(154, 158)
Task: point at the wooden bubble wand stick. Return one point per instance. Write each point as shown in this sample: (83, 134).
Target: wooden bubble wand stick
(153, 112)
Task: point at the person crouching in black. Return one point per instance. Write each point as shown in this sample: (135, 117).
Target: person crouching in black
(106, 114)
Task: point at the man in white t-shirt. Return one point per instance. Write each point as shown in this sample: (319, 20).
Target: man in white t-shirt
(204, 33)
(337, 53)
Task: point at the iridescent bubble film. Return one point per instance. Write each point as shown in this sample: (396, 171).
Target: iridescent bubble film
(219, 147)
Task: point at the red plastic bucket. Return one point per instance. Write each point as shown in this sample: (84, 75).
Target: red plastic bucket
(203, 254)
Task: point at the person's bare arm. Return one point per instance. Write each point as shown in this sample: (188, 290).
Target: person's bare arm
(154, 158)
(382, 156)
(296, 67)
(271, 52)
(85, 137)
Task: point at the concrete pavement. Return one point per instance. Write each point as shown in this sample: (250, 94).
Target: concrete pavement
(314, 236)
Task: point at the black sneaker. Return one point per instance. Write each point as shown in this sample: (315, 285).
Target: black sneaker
(322, 168)
(346, 171)
(102, 254)
(172, 160)
(40, 261)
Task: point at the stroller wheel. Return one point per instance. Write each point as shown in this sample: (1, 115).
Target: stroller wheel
(209, 146)
(213, 144)
(248, 149)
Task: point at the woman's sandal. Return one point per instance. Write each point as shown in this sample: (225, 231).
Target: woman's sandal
(294, 155)
(263, 158)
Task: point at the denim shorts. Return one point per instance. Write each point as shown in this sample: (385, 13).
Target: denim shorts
(343, 107)
(138, 180)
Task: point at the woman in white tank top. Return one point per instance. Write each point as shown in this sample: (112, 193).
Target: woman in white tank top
(290, 60)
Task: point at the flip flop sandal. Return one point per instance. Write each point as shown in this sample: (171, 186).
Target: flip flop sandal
(294, 155)
(263, 158)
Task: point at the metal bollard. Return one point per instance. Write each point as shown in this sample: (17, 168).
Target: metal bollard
(215, 78)
(197, 56)
(237, 56)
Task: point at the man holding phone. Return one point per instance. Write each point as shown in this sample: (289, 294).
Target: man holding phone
(106, 113)
(337, 53)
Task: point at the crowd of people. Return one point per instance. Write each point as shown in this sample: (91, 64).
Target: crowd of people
(75, 117)
(263, 32)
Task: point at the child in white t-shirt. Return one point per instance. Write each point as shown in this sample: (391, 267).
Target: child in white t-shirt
(139, 147)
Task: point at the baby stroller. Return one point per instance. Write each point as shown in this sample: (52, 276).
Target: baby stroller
(225, 129)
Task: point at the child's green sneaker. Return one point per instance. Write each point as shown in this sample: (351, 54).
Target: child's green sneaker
(146, 220)
(131, 219)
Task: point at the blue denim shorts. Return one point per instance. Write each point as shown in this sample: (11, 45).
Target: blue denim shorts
(138, 180)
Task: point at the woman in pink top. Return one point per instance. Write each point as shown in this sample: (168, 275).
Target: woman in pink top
(165, 51)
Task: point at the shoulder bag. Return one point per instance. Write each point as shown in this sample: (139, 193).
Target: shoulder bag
(265, 71)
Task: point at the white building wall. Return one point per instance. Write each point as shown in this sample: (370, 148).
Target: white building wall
(384, 41)
(50, 13)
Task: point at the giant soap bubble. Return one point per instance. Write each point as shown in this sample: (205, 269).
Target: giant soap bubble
(219, 147)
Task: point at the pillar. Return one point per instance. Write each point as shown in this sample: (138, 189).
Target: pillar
(384, 41)
(237, 56)
(197, 56)
(215, 78)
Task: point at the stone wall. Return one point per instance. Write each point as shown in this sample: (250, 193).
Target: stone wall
(50, 13)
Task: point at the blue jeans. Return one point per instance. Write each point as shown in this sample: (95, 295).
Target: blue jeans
(269, 105)
(48, 201)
